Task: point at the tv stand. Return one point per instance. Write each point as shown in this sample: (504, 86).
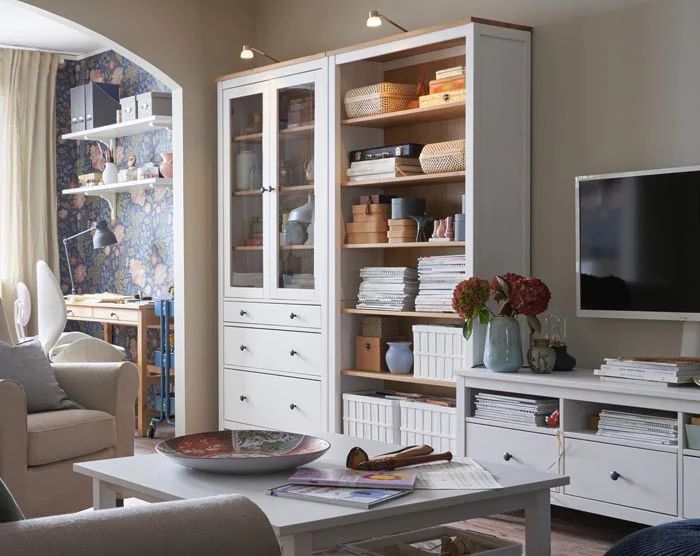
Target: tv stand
(637, 481)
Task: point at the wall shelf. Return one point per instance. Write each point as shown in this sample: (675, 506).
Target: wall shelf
(413, 314)
(383, 375)
(414, 244)
(109, 191)
(123, 129)
(412, 116)
(421, 179)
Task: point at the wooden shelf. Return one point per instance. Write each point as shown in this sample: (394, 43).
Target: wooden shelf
(413, 314)
(289, 189)
(398, 378)
(412, 116)
(257, 137)
(123, 129)
(421, 179)
(248, 138)
(248, 193)
(298, 130)
(122, 187)
(248, 248)
(414, 244)
(282, 247)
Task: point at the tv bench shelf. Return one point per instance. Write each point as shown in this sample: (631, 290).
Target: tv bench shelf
(656, 483)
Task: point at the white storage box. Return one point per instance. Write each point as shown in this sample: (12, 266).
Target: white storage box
(438, 351)
(371, 417)
(424, 423)
(427, 542)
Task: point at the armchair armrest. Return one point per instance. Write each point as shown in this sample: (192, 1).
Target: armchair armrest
(109, 387)
(13, 434)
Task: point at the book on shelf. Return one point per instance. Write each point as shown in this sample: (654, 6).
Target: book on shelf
(644, 383)
(449, 72)
(645, 374)
(515, 409)
(364, 498)
(680, 365)
(333, 477)
(638, 426)
(384, 164)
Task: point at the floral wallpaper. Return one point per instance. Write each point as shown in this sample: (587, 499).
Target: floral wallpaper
(142, 258)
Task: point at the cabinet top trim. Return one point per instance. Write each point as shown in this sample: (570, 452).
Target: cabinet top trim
(383, 40)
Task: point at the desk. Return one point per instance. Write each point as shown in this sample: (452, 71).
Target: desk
(142, 316)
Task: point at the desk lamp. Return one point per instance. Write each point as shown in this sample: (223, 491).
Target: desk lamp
(102, 238)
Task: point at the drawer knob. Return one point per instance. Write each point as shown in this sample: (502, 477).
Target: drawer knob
(614, 475)
(293, 316)
(507, 456)
(292, 406)
(242, 313)
(243, 348)
(293, 352)
(113, 315)
(242, 397)
(69, 311)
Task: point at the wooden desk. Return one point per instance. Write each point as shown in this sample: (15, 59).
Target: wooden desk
(140, 315)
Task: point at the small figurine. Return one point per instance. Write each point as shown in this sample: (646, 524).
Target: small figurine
(552, 420)
(131, 162)
(441, 229)
(449, 228)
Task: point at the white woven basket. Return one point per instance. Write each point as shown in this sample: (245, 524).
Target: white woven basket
(447, 156)
(379, 99)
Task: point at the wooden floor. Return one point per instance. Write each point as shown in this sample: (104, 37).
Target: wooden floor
(573, 533)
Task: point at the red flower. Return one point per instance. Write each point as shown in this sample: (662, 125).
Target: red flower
(470, 296)
(530, 297)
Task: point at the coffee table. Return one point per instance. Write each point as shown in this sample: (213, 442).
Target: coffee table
(303, 527)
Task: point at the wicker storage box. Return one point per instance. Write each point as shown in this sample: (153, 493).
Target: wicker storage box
(379, 99)
(372, 417)
(447, 156)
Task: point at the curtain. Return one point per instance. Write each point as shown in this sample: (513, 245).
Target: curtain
(27, 170)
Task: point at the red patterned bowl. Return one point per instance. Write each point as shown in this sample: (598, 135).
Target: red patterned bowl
(243, 451)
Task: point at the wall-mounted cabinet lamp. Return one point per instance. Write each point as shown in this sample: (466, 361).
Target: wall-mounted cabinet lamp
(375, 20)
(248, 53)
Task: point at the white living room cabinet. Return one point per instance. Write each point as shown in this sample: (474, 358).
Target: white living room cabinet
(273, 186)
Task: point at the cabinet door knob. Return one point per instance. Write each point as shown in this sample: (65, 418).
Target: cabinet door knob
(243, 348)
(270, 189)
(293, 352)
(113, 315)
(614, 475)
(292, 406)
(242, 397)
(293, 316)
(507, 456)
(88, 117)
(242, 313)
(264, 189)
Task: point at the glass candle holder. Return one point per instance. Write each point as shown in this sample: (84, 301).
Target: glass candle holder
(555, 329)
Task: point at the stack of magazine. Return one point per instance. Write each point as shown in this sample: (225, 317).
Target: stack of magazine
(639, 426)
(437, 278)
(346, 487)
(388, 288)
(514, 409)
(383, 168)
(659, 374)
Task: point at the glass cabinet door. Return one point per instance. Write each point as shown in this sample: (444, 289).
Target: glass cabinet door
(245, 175)
(296, 137)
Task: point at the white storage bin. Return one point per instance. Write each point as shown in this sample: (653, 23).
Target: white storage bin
(437, 351)
(424, 423)
(371, 417)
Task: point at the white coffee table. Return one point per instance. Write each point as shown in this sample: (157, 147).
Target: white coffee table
(303, 527)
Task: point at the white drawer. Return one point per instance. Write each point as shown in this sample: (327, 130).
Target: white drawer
(273, 314)
(691, 480)
(272, 401)
(647, 479)
(276, 350)
(518, 448)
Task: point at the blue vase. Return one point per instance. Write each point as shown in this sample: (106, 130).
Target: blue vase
(503, 352)
(399, 358)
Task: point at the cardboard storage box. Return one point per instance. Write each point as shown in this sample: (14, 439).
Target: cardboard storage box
(154, 104)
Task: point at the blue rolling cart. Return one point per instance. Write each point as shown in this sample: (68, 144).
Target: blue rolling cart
(165, 359)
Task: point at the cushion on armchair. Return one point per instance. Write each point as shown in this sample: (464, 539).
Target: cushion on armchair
(28, 365)
(678, 538)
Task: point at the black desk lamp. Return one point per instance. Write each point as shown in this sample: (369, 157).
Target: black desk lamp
(102, 238)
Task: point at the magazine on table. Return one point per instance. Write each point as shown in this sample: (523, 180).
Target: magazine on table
(365, 498)
(395, 480)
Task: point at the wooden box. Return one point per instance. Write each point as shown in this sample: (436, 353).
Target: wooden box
(370, 353)
(379, 217)
(447, 84)
(450, 97)
(371, 209)
(377, 327)
(367, 237)
(364, 227)
(402, 223)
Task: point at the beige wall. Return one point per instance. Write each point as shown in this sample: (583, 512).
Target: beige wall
(613, 91)
(192, 42)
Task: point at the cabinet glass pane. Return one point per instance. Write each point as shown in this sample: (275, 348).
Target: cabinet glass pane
(246, 187)
(295, 177)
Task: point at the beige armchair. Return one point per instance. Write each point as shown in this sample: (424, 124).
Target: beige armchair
(37, 451)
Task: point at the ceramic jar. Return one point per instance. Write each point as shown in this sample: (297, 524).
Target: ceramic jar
(166, 165)
(503, 351)
(399, 358)
(110, 174)
(541, 357)
(247, 171)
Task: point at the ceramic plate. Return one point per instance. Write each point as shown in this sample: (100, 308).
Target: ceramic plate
(243, 451)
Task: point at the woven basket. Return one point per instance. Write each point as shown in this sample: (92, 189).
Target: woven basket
(447, 156)
(379, 99)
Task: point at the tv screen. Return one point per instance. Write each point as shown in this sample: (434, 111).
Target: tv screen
(639, 242)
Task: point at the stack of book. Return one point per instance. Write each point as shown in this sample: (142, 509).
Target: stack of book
(388, 288)
(437, 278)
(638, 427)
(659, 374)
(514, 409)
(383, 168)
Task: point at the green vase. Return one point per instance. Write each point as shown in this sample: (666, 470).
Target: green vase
(503, 351)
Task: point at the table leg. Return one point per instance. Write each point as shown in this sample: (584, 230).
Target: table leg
(538, 525)
(142, 398)
(107, 328)
(296, 545)
(103, 495)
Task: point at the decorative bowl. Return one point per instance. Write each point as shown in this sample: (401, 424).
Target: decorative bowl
(243, 452)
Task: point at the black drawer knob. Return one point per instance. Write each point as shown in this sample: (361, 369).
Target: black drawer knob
(242, 313)
(292, 406)
(242, 397)
(614, 475)
(293, 316)
(507, 456)
(113, 315)
(293, 352)
(243, 348)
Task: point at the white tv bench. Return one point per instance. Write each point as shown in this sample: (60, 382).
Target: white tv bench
(644, 483)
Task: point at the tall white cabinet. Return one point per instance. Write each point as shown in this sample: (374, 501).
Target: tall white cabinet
(273, 198)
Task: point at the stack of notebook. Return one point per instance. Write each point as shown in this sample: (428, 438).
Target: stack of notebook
(438, 277)
(514, 409)
(659, 374)
(383, 168)
(388, 288)
(639, 426)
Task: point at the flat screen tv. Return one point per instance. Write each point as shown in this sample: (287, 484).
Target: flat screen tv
(638, 244)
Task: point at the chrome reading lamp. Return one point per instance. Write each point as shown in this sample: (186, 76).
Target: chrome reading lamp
(248, 53)
(375, 20)
(103, 237)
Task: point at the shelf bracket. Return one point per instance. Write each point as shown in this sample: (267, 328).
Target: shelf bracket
(111, 199)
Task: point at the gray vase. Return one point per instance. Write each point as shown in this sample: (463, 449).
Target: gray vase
(503, 351)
